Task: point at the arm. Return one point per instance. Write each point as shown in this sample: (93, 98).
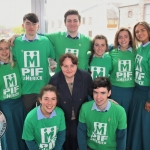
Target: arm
(60, 140)
(81, 136)
(121, 139)
(11, 40)
(32, 145)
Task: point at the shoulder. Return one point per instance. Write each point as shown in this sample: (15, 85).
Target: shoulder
(32, 115)
(83, 73)
(87, 106)
(59, 111)
(84, 37)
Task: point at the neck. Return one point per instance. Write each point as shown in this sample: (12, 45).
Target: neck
(5, 61)
(30, 37)
(69, 80)
(73, 34)
(124, 48)
(103, 106)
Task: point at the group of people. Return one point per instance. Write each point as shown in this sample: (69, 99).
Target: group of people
(73, 109)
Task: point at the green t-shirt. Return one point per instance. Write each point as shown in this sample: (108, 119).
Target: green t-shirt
(102, 126)
(123, 70)
(142, 66)
(100, 66)
(10, 82)
(43, 131)
(63, 44)
(32, 58)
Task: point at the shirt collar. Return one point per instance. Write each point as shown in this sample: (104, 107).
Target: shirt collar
(143, 45)
(129, 48)
(41, 116)
(24, 38)
(77, 36)
(100, 57)
(94, 107)
(1, 62)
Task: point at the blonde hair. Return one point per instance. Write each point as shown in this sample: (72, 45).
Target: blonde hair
(11, 61)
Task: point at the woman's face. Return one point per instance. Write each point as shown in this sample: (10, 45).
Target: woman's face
(48, 102)
(4, 52)
(123, 40)
(68, 68)
(141, 34)
(99, 47)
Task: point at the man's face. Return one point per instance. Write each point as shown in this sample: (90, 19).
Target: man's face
(72, 23)
(30, 27)
(100, 96)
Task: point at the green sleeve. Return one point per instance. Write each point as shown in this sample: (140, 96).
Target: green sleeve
(28, 130)
(51, 37)
(122, 119)
(82, 115)
(62, 122)
(51, 50)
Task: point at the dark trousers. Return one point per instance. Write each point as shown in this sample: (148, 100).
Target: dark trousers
(30, 101)
(71, 136)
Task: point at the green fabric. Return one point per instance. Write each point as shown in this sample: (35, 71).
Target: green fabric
(43, 131)
(10, 82)
(63, 44)
(102, 126)
(100, 66)
(123, 71)
(32, 58)
(142, 66)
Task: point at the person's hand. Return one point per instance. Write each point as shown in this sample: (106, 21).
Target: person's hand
(11, 40)
(113, 101)
(147, 106)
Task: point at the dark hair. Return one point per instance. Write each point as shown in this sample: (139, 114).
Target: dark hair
(146, 26)
(72, 12)
(51, 88)
(92, 47)
(73, 58)
(101, 82)
(31, 17)
(131, 42)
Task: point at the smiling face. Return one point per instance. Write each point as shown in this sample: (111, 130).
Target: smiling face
(100, 96)
(4, 52)
(48, 102)
(141, 34)
(72, 23)
(99, 47)
(123, 40)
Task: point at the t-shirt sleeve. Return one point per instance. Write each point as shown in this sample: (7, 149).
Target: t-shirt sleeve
(82, 115)
(122, 119)
(51, 37)
(62, 122)
(51, 50)
(28, 130)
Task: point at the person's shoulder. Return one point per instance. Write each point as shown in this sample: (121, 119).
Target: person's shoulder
(88, 105)
(83, 73)
(32, 114)
(85, 37)
(56, 75)
(59, 111)
(118, 108)
(107, 55)
(18, 39)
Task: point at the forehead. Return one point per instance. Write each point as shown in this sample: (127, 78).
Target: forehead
(4, 44)
(67, 61)
(49, 94)
(100, 41)
(139, 27)
(72, 17)
(100, 89)
(123, 33)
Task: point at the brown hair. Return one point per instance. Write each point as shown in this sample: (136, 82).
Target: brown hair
(146, 26)
(51, 88)
(11, 61)
(72, 12)
(31, 17)
(92, 46)
(73, 58)
(131, 42)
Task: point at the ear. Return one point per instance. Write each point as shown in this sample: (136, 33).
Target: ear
(109, 93)
(40, 100)
(23, 25)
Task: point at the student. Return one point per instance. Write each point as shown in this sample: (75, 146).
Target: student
(32, 52)
(44, 127)
(10, 100)
(100, 63)
(102, 123)
(70, 41)
(74, 86)
(139, 114)
(122, 74)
